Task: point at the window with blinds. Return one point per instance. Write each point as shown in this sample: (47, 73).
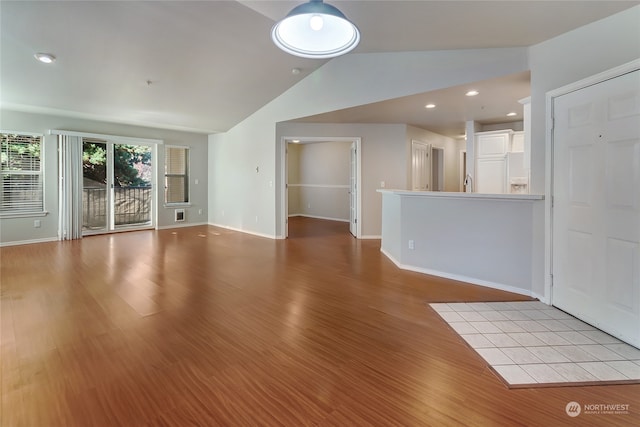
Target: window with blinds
(176, 175)
(21, 174)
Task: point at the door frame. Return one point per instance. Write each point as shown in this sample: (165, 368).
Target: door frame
(284, 172)
(428, 164)
(549, 161)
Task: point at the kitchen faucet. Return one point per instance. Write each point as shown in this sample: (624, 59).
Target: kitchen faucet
(468, 183)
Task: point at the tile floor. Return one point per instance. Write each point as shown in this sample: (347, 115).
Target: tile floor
(529, 343)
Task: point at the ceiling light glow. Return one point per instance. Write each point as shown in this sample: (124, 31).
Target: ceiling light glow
(45, 58)
(472, 93)
(511, 114)
(430, 106)
(316, 22)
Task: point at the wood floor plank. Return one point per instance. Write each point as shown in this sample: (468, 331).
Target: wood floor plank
(203, 326)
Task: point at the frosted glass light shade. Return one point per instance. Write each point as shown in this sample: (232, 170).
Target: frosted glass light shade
(315, 30)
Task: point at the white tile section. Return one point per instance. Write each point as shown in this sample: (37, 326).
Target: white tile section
(463, 328)
(502, 340)
(508, 326)
(626, 367)
(528, 342)
(493, 315)
(555, 325)
(575, 354)
(600, 337)
(495, 356)
(548, 354)
(531, 325)
(441, 307)
(550, 338)
(486, 327)
(602, 371)
(514, 315)
(577, 325)
(600, 352)
(451, 316)
(477, 341)
(514, 374)
(575, 337)
(471, 316)
(543, 373)
(527, 339)
(521, 355)
(625, 350)
(573, 372)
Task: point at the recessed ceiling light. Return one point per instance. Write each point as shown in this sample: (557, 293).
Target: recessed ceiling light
(511, 114)
(45, 58)
(472, 93)
(295, 71)
(430, 106)
(295, 141)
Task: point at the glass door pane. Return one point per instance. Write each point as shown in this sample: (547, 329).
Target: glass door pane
(132, 189)
(94, 187)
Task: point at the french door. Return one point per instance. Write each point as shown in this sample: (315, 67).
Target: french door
(117, 186)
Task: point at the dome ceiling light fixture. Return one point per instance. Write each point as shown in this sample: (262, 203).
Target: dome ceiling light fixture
(315, 30)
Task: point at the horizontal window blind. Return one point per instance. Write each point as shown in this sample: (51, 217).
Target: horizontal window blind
(176, 175)
(21, 173)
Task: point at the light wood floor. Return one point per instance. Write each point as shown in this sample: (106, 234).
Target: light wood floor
(204, 326)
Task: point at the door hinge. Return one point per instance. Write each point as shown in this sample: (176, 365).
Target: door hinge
(553, 201)
(355, 221)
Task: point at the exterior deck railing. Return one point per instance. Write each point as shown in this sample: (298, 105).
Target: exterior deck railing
(132, 205)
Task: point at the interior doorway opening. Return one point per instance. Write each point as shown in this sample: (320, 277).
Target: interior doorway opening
(324, 185)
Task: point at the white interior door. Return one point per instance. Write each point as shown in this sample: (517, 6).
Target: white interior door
(596, 205)
(353, 191)
(421, 166)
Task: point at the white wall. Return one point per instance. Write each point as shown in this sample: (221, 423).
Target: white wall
(472, 239)
(451, 155)
(241, 198)
(570, 57)
(573, 56)
(14, 230)
(319, 176)
(383, 159)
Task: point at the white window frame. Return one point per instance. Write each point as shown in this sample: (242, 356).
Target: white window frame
(187, 176)
(34, 213)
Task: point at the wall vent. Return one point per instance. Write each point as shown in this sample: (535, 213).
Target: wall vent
(179, 215)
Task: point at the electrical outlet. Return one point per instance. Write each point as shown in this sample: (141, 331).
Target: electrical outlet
(412, 245)
(382, 184)
(199, 211)
(308, 205)
(256, 219)
(37, 223)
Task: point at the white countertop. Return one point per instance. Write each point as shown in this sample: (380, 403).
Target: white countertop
(460, 195)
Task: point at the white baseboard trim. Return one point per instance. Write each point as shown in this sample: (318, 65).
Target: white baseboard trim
(28, 242)
(460, 278)
(179, 225)
(320, 217)
(254, 233)
(541, 298)
(370, 236)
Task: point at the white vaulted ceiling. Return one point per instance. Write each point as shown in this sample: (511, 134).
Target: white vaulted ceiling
(211, 64)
